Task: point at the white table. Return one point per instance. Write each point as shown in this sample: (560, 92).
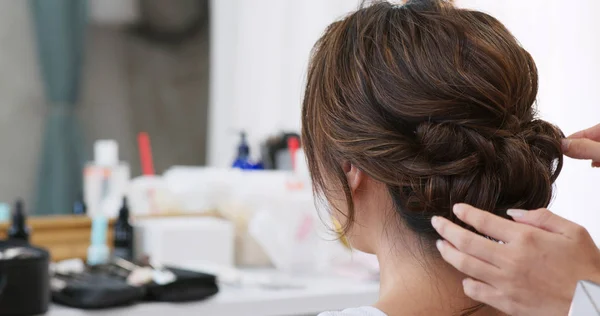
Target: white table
(316, 295)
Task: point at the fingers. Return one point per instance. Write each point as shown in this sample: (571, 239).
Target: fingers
(582, 148)
(592, 133)
(486, 294)
(486, 222)
(467, 264)
(584, 145)
(468, 242)
(546, 220)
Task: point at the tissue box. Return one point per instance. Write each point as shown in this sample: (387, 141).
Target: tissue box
(180, 240)
(586, 301)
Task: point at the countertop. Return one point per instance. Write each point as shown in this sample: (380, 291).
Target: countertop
(308, 296)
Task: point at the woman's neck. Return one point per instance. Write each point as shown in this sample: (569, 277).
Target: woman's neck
(414, 283)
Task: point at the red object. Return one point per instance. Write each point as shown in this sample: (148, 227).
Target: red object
(145, 154)
(293, 145)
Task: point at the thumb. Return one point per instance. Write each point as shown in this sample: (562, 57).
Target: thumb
(581, 148)
(592, 133)
(544, 219)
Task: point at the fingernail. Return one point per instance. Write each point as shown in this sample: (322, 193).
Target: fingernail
(565, 142)
(458, 209)
(435, 222)
(515, 213)
(439, 244)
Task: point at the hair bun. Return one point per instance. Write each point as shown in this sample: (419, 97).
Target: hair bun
(544, 140)
(512, 167)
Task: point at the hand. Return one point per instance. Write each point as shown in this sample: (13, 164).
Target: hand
(534, 272)
(584, 145)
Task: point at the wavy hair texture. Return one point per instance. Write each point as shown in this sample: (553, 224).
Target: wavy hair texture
(433, 101)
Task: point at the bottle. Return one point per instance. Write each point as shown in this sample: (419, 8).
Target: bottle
(242, 161)
(18, 228)
(98, 252)
(105, 180)
(123, 234)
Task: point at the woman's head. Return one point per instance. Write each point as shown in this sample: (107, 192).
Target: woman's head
(430, 104)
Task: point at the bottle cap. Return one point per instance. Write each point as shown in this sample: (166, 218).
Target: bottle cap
(124, 211)
(106, 152)
(19, 214)
(243, 148)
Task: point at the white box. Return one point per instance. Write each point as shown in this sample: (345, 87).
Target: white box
(180, 240)
(586, 301)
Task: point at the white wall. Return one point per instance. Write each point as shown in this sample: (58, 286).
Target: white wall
(259, 53)
(260, 50)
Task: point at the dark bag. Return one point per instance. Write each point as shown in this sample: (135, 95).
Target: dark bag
(95, 290)
(99, 289)
(189, 286)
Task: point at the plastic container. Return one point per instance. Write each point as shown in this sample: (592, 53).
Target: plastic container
(288, 232)
(24, 282)
(105, 180)
(151, 195)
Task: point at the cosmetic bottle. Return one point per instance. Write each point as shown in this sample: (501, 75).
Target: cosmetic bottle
(123, 234)
(242, 161)
(105, 180)
(18, 228)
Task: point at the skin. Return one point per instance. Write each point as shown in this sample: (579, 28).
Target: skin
(413, 281)
(536, 271)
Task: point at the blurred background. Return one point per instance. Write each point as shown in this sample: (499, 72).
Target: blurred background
(191, 75)
(123, 67)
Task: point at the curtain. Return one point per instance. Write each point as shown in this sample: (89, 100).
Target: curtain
(60, 27)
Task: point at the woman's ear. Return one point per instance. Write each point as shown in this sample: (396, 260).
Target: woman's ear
(354, 176)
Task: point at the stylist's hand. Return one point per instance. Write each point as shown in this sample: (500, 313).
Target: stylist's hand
(584, 145)
(534, 273)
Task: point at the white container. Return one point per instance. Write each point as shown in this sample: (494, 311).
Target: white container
(183, 240)
(199, 189)
(288, 232)
(150, 195)
(105, 180)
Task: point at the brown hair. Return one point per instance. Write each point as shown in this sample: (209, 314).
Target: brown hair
(433, 101)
